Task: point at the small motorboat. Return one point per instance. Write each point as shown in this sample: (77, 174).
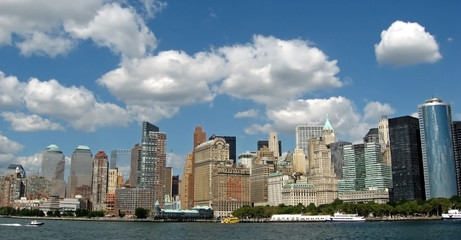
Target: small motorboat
(36, 223)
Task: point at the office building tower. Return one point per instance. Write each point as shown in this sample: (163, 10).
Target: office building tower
(153, 161)
(371, 136)
(187, 180)
(407, 163)
(263, 165)
(273, 144)
(16, 169)
(169, 182)
(121, 159)
(306, 132)
(232, 141)
(208, 156)
(134, 166)
(100, 181)
(321, 172)
(457, 150)
(337, 157)
(377, 175)
(53, 163)
(353, 170)
(437, 149)
(52, 168)
(81, 169)
(383, 132)
(175, 186)
(299, 161)
(265, 143)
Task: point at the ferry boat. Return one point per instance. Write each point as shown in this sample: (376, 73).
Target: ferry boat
(343, 217)
(452, 214)
(230, 220)
(299, 218)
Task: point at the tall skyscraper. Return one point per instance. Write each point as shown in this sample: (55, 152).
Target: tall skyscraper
(353, 170)
(383, 132)
(121, 159)
(437, 149)
(274, 144)
(52, 168)
(299, 161)
(100, 181)
(265, 143)
(52, 163)
(407, 163)
(457, 150)
(134, 167)
(306, 132)
(232, 141)
(81, 168)
(153, 161)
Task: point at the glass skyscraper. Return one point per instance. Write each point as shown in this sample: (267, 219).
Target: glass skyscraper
(304, 133)
(437, 149)
(81, 169)
(457, 148)
(53, 163)
(407, 163)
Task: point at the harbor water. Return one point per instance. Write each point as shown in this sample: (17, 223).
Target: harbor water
(13, 228)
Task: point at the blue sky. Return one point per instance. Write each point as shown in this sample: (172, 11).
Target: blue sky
(89, 72)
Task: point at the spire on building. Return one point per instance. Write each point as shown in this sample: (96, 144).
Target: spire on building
(327, 125)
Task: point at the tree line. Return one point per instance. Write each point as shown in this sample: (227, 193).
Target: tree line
(432, 207)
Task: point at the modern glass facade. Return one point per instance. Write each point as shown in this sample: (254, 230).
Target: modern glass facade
(81, 169)
(121, 159)
(53, 163)
(353, 169)
(457, 150)
(437, 149)
(407, 163)
(304, 133)
(378, 175)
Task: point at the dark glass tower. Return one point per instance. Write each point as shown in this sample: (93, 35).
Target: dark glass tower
(457, 150)
(407, 164)
(437, 149)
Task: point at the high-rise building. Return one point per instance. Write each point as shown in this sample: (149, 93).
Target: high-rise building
(304, 133)
(437, 149)
(273, 144)
(265, 143)
(81, 168)
(168, 182)
(187, 180)
(299, 161)
(52, 163)
(175, 186)
(121, 159)
(321, 170)
(232, 141)
(208, 156)
(354, 169)
(153, 161)
(407, 163)
(457, 150)
(337, 157)
(134, 166)
(377, 175)
(100, 181)
(383, 132)
(52, 168)
(263, 165)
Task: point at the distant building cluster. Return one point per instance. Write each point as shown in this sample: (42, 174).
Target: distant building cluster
(403, 158)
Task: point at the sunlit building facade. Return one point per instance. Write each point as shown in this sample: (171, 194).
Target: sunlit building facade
(437, 149)
(81, 169)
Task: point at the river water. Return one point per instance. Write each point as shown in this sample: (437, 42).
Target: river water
(12, 228)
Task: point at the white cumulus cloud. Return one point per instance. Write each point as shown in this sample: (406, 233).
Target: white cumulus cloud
(49, 27)
(259, 70)
(406, 43)
(11, 91)
(373, 111)
(252, 113)
(29, 123)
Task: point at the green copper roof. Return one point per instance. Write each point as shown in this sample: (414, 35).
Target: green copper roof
(53, 147)
(327, 125)
(83, 147)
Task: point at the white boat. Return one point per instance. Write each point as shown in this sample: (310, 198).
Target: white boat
(454, 214)
(299, 218)
(343, 217)
(36, 223)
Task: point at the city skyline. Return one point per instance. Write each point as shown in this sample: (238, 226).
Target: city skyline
(73, 75)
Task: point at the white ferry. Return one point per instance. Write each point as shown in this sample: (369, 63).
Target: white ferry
(299, 218)
(452, 214)
(342, 217)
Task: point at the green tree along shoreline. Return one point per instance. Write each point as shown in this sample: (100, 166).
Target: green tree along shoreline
(430, 208)
(9, 211)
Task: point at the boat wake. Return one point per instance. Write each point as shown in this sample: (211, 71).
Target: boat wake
(11, 224)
